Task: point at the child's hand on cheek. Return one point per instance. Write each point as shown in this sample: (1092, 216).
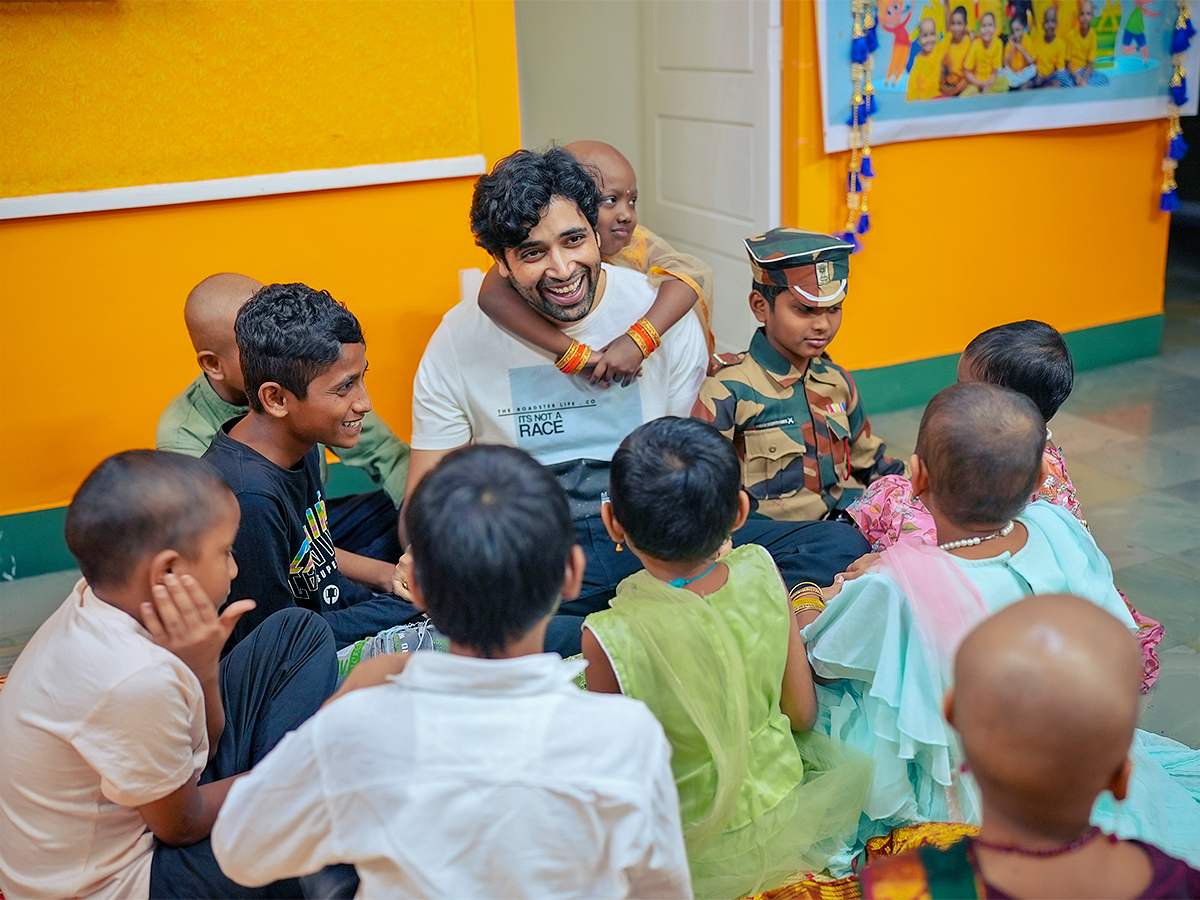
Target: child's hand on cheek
(182, 619)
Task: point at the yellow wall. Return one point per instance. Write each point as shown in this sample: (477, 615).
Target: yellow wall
(92, 343)
(967, 233)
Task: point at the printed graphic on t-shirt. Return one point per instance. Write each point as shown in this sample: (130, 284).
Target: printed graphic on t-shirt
(556, 417)
(315, 559)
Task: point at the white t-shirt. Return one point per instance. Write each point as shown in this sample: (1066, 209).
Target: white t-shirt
(95, 720)
(475, 778)
(479, 383)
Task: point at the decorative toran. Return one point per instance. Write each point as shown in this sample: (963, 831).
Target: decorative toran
(862, 106)
(1181, 40)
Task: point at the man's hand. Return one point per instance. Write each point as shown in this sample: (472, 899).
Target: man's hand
(624, 360)
(182, 619)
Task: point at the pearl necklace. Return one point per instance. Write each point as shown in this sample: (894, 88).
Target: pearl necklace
(971, 542)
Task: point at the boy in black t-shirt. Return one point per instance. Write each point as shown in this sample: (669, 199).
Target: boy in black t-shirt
(303, 359)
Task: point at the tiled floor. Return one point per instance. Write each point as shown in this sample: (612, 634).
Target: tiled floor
(1131, 435)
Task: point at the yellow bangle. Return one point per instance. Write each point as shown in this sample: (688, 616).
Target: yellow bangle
(574, 359)
(798, 608)
(651, 331)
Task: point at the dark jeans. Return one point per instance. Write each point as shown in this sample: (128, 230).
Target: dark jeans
(270, 683)
(365, 524)
(803, 551)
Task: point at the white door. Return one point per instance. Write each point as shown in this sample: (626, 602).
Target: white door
(710, 172)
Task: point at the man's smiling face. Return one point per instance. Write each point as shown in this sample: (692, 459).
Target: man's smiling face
(557, 267)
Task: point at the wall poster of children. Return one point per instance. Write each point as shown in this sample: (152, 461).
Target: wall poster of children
(956, 67)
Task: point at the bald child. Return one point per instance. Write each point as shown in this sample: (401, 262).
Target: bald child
(365, 524)
(1045, 702)
(683, 282)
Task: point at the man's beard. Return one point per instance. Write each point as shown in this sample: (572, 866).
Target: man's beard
(556, 312)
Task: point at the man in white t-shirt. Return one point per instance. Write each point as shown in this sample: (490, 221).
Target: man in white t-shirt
(479, 383)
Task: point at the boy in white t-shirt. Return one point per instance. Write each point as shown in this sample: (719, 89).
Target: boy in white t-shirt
(108, 787)
(487, 772)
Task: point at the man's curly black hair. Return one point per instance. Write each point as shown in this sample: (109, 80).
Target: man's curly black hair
(509, 202)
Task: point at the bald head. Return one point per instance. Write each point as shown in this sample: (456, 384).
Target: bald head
(1046, 702)
(606, 159)
(211, 308)
(982, 445)
(209, 313)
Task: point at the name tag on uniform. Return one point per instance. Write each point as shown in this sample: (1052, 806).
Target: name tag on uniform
(774, 423)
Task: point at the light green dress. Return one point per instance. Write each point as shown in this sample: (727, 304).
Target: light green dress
(758, 802)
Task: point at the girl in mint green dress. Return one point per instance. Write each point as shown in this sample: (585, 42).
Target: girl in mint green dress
(709, 643)
(885, 643)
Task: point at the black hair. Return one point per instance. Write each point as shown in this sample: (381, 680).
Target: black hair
(1030, 357)
(510, 202)
(491, 534)
(136, 504)
(769, 291)
(982, 445)
(674, 486)
(290, 334)
(986, 14)
(1019, 16)
(957, 10)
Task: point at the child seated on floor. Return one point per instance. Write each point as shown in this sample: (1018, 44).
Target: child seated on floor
(806, 444)
(1045, 704)
(887, 638)
(364, 524)
(1030, 357)
(303, 360)
(121, 730)
(712, 647)
(683, 281)
(485, 771)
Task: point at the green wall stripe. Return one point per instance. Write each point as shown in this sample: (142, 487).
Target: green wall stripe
(32, 543)
(890, 388)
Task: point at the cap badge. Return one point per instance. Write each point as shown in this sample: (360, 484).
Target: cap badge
(824, 273)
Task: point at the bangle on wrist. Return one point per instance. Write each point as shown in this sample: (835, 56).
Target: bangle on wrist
(807, 595)
(574, 358)
(645, 336)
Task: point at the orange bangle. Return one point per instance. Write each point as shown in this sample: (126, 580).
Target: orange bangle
(655, 337)
(645, 336)
(574, 359)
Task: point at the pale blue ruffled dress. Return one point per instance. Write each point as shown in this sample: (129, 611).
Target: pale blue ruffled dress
(887, 700)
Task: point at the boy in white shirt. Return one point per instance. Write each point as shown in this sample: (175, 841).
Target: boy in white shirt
(487, 773)
(122, 728)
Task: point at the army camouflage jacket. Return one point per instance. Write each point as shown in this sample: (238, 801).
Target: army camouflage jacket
(800, 451)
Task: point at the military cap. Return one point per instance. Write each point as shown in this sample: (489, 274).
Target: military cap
(813, 266)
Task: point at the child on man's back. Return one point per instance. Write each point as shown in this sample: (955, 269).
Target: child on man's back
(683, 281)
(1032, 358)
(485, 772)
(711, 645)
(122, 728)
(1045, 704)
(885, 640)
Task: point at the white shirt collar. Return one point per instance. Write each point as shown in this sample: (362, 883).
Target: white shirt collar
(523, 675)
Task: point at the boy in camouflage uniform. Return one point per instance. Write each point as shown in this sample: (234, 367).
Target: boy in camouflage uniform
(794, 416)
